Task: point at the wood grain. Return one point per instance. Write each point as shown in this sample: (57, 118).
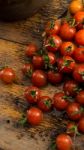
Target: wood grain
(13, 40)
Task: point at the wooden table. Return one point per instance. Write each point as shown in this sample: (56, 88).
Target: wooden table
(14, 38)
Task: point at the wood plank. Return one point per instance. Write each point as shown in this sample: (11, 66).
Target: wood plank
(9, 94)
(11, 135)
(32, 28)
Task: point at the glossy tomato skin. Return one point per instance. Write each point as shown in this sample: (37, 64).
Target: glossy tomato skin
(79, 37)
(60, 101)
(1, 73)
(79, 54)
(71, 129)
(78, 73)
(27, 69)
(8, 75)
(81, 125)
(54, 77)
(32, 94)
(53, 43)
(67, 32)
(39, 78)
(49, 58)
(64, 142)
(53, 27)
(79, 18)
(71, 88)
(45, 103)
(75, 6)
(66, 64)
(37, 62)
(74, 111)
(34, 116)
(67, 48)
(80, 97)
(31, 50)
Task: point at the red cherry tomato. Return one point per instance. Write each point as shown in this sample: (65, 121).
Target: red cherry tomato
(71, 129)
(79, 18)
(53, 27)
(31, 50)
(64, 142)
(1, 73)
(80, 97)
(74, 111)
(32, 94)
(8, 75)
(45, 103)
(66, 64)
(67, 32)
(79, 37)
(34, 116)
(78, 73)
(79, 54)
(81, 125)
(67, 48)
(39, 78)
(54, 77)
(27, 69)
(70, 88)
(60, 101)
(37, 62)
(49, 58)
(53, 43)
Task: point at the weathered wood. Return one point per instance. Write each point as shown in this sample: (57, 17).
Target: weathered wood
(13, 37)
(32, 28)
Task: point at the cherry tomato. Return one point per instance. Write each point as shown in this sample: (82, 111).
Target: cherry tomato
(64, 142)
(81, 125)
(53, 43)
(67, 32)
(31, 50)
(28, 69)
(32, 94)
(1, 73)
(75, 6)
(45, 103)
(39, 78)
(54, 77)
(53, 27)
(34, 116)
(79, 37)
(66, 64)
(74, 111)
(71, 88)
(60, 101)
(78, 73)
(79, 18)
(80, 97)
(49, 59)
(37, 62)
(79, 54)
(8, 75)
(67, 48)
(71, 129)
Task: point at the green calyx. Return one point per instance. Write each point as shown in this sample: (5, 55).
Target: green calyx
(52, 43)
(52, 24)
(67, 62)
(48, 103)
(68, 49)
(33, 93)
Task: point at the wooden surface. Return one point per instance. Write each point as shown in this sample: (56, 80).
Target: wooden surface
(13, 40)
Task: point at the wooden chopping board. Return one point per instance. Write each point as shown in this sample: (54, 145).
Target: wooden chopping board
(13, 40)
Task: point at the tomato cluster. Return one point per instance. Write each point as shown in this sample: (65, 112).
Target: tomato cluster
(60, 61)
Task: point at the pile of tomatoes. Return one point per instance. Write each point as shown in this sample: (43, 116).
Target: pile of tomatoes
(59, 61)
